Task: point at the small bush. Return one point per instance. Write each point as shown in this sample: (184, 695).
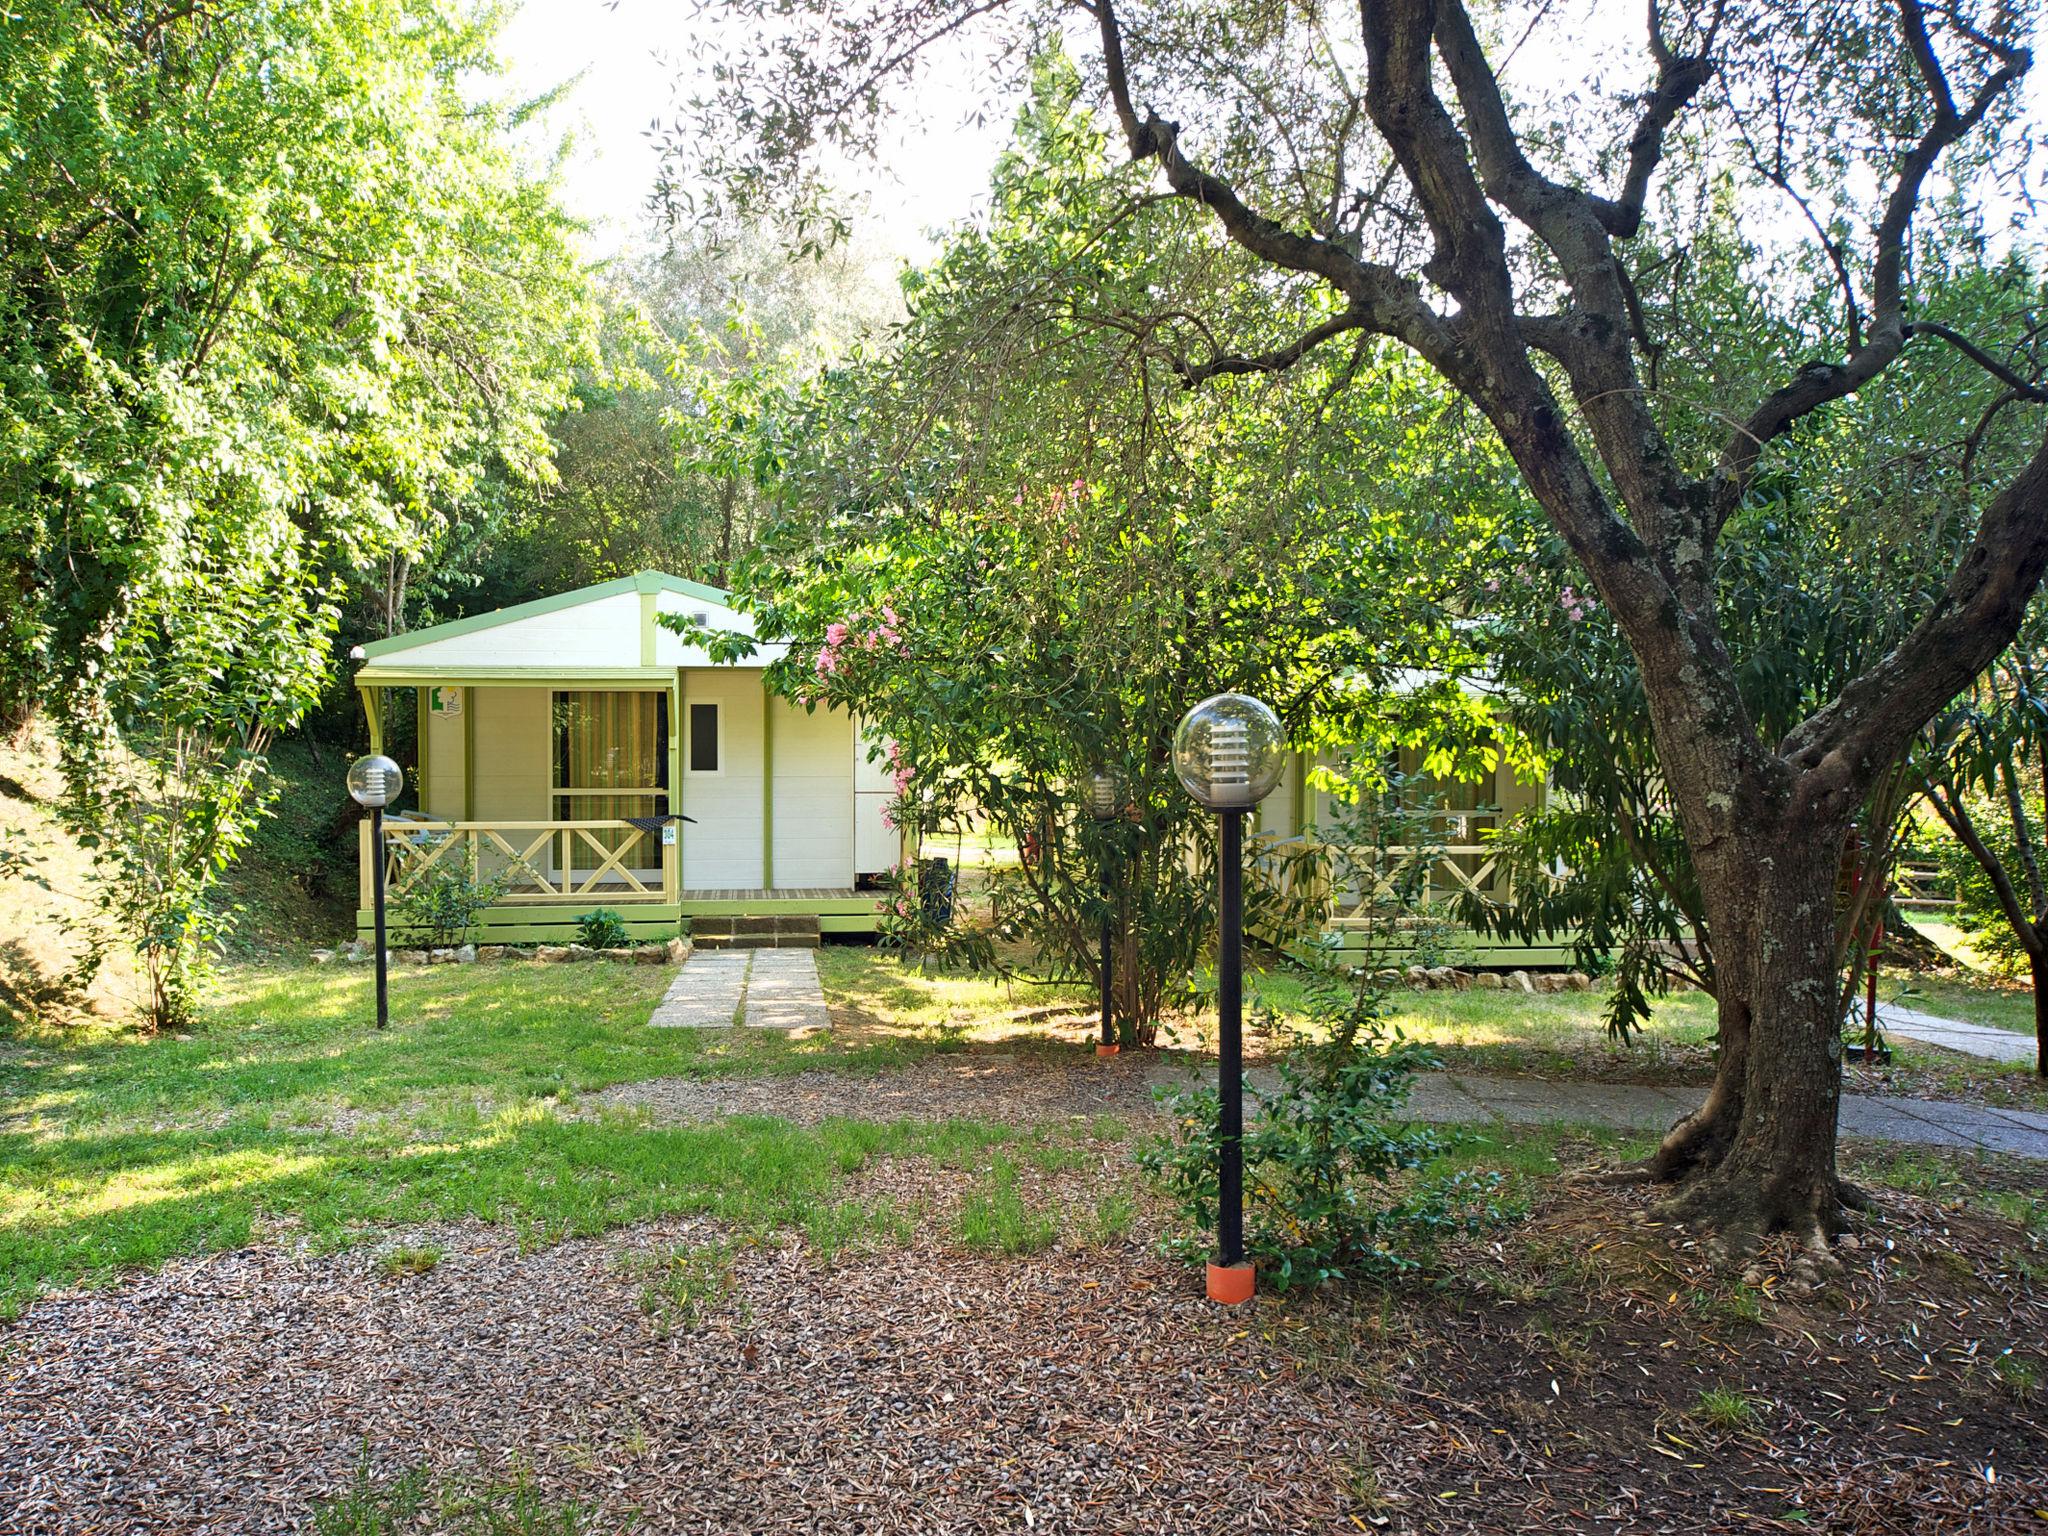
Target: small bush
(1335, 1187)
(603, 929)
(441, 907)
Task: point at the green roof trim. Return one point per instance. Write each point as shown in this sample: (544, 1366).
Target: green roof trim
(639, 581)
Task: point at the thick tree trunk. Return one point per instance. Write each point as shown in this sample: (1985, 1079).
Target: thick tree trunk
(2040, 969)
(1759, 1155)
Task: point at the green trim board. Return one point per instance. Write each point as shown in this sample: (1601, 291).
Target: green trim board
(648, 582)
(513, 677)
(554, 922)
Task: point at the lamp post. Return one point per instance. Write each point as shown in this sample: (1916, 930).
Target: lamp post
(1228, 753)
(1102, 806)
(374, 782)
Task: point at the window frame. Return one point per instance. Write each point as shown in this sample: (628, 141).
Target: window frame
(690, 768)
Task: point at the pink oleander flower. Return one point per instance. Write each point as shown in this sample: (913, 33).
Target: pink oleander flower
(888, 820)
(827, 663)
(835, 634)
(1493, 583)
(889, 615)
(902, 777)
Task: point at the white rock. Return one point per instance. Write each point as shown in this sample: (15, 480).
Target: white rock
(466, 955)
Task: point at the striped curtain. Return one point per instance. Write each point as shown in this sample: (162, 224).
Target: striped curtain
(611, 761)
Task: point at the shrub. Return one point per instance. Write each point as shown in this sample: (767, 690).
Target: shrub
(441, 907)
(1335, 1187)
(603, 929)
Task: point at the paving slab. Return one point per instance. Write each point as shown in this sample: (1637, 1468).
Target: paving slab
(705, 993)
(1955, 1035)
(783, 991)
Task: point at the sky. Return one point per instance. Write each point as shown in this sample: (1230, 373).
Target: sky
(934, 172)
(932, 175)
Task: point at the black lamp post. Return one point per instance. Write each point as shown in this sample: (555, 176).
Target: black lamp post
(374, 782)
(1102, 806)
(1228, 753)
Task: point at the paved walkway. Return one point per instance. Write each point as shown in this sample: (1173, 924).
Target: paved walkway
(757, 988)
(1970, 1039)
(1470, 1097)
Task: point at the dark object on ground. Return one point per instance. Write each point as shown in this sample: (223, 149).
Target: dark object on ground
(936, 883)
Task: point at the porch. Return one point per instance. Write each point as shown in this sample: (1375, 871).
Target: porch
(1449, 871)
(551, 873)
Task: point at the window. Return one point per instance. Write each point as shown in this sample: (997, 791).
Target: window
(611, 756)
(705, 741)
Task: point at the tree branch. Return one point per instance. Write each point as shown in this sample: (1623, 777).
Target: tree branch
(1841, 748)
(1821, 383)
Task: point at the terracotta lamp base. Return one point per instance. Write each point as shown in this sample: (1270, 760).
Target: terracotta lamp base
(1230, 1285)
(1107, 1050)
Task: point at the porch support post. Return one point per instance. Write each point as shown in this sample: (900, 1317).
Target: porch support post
(469, 754)
(672, 854)
(420, 714)
(371, 696)
(767, 786)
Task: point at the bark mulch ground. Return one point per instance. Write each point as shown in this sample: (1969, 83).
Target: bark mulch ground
(1544, 1378)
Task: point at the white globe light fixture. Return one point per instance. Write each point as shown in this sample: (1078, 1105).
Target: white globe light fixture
(373, 783)
(1229, 752)
(1102, 796)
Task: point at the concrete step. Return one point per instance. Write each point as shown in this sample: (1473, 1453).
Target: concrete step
(778, 930)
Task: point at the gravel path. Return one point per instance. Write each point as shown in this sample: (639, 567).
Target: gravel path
(1953, 1034)
(1034, 1090)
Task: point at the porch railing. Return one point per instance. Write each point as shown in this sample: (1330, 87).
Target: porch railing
(1453, 870)
(607, 862)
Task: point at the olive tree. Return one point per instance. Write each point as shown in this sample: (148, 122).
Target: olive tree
(1525, 228)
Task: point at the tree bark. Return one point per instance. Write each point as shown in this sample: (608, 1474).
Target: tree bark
(1759, 1155)
(2039, 964)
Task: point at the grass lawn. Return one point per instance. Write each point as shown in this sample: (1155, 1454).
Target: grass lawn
(1975, 998)
(691, 1322)
(287, 1109)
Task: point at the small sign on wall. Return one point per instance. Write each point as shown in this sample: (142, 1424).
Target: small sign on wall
(445, 701)
(668, 836)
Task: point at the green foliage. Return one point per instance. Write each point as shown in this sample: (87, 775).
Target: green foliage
(1019, 564)
(385, 1506)
(995, 1217)
(1826, 566)
(278, 289)
(684, 1284)
(603, 929)
(440, 907)
(1724, 1408)
(1335, 1186)
(1985, 776)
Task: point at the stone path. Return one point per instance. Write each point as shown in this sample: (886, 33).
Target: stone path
(778, 988)
(1470, 1097)
(783, 991)
(1971, 1039)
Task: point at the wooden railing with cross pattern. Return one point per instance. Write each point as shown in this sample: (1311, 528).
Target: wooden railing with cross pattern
(613, 862)
(1454, 869)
